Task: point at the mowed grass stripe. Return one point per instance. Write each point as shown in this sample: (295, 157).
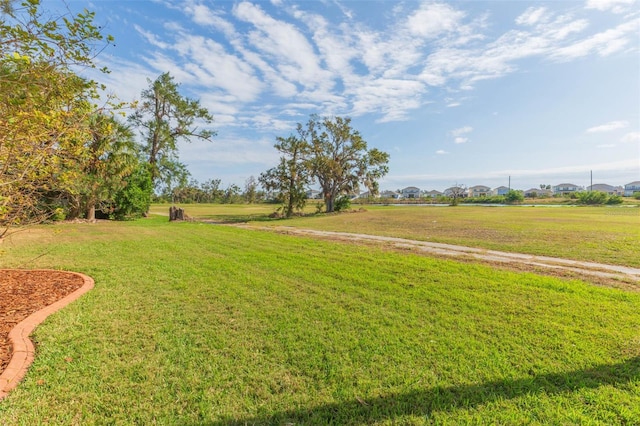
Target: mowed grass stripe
(596, 234)
(193, 323)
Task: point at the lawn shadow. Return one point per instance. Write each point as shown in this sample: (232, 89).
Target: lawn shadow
(424, 402)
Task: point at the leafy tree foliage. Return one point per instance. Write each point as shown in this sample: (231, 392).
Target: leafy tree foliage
(165, 117)
(109, 157)
(133, 200)
(340, 160)
(514, 196)
(289, 178)
(44, 105)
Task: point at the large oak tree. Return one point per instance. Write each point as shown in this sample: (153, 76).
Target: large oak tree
(340, 159)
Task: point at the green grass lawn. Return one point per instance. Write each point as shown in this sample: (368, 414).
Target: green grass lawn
(202, 324)
(596, 234)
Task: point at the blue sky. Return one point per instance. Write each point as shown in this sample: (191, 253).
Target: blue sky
(457, 92)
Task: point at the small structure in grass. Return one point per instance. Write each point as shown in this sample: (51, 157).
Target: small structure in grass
(176, 213)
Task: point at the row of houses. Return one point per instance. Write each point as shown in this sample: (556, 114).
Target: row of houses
(563, 189)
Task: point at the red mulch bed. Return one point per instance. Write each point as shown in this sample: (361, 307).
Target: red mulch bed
(25, 292)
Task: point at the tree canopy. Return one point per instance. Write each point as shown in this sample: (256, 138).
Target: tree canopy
(291, 176)
(340, 159)
(44, 105)
(327, 150)
(164, 117)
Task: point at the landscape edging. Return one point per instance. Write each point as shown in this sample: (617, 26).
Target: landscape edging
(23, 352)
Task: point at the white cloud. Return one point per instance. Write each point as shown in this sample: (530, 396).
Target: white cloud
(608, 127)
(461, 140)
(462, 131)
(203, 15)
(603, 43)
(433, 19)
(150, 37)
(212, 66)
(286, 46)
(531, 16)
(616, 6)
(441, 152)
(606, 145)
(347, 66)
(223, 152)
(390, 97)
(631, 137)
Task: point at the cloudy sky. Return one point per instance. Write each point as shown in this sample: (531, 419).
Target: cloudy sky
(457, 92)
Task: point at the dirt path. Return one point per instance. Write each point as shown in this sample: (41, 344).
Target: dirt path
(627, 277)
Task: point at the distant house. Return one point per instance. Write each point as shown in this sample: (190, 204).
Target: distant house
(501, 190)
(603, 187)
(410, 192)
(312, 194)
(390, 194)
(566, 189)
(432, 194)
(479, 191)
(537, 193)
(632, 187)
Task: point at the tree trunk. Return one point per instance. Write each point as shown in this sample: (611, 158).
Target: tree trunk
(175, 213)
(329, 200)
(91, 212)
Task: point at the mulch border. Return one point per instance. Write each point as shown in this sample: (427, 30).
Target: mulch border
(23, 352)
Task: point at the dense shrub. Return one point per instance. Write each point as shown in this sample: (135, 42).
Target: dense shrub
(342, 203)
(614, 199)
(592, 197)
(514, 196)
(133, 201)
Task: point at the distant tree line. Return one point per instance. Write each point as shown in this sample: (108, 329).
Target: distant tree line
(212, 191)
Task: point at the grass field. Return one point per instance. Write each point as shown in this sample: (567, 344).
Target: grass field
(597, 234)
(201, 324)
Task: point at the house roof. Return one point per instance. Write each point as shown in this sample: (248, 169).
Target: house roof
(537, 190)
(501, 187)
(566, 184)
(636, 183)
(601, 186)
(433, 191)
(480, 187)
(411, 188)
